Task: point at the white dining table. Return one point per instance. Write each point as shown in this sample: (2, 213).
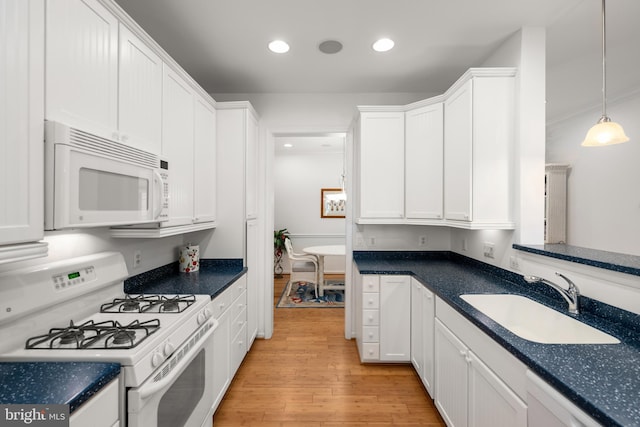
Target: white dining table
(322, 251)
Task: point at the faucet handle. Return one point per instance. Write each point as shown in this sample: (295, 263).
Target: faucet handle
(572, 286)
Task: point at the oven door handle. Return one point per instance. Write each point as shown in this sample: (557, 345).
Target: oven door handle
(146, 391)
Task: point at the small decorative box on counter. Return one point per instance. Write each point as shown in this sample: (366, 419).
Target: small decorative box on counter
(189, 259)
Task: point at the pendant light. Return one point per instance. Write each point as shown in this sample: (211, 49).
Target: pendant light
(605, 132)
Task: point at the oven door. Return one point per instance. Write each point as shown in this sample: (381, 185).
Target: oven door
(179, 393)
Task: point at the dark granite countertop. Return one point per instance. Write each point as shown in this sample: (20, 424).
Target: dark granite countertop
(623, 263)
(65, 383)
(213, 277)
(603, 380)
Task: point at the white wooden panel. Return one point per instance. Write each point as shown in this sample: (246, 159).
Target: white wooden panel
(221, 351)
(140, 90)
(21, 121)
(177, 146)
(253, 281)
(491, 402)
(205, 201)
(395, 318)
(451, 376)
(428, 340)
(251, 152)
(82, 66)
(424, 159)
(102, 410)
(417, 339)
(382, 165)
(458, 154)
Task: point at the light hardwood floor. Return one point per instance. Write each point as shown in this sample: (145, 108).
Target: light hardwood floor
(308, 374)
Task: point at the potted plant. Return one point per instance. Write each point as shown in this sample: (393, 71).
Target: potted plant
(279, 237)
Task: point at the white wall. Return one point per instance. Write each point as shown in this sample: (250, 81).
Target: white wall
(602, 186)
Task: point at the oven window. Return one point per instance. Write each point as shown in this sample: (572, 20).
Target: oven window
(178, 403)
(108, 191)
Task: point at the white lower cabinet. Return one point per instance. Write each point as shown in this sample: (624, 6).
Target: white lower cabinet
(422, 333)
(102, 410)
(548, 408)
(384, 318)
(477, 383)
(230, 337)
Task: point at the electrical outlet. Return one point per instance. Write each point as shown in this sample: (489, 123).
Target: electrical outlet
(422, 241)
(488, 250)
(359, 241)
(372, 241)
(514, 262)
(137, 258)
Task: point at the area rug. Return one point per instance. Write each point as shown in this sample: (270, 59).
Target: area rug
(303, 296)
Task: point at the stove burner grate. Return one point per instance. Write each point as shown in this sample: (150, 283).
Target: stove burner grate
(149, 304)
(109, 334)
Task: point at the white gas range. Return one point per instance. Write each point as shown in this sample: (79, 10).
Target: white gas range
(75, 310)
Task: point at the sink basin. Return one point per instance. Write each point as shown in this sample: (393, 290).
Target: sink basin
(533, 321)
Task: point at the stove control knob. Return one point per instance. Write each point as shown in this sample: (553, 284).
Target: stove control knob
(157, 359)
(203, 316)
(168, 349)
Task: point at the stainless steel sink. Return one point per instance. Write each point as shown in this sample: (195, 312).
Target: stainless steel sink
(533, 321)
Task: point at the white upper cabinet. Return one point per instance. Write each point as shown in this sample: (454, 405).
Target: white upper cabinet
(251, 162)
(380, 154)
(21, 129)
(204, 209)
(140, 94)
(423, 162)
(177, 146)
(478, 134)
(82, 66)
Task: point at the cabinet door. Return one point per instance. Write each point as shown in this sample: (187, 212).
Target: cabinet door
(251, 162)
(204, 162)
(395, 318)
(140, 90)
(21, 121)
(221, 355)
(428, 319)
(381, 165)
(253, 281)
(82, 76)
(424, 162)
(451, 377)
(177, 146)
(491, 402)
(417, 344)
(458, 154)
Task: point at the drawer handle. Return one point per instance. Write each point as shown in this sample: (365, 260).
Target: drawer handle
(222, 305)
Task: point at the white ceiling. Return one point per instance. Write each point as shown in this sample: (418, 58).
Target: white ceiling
(223, 43)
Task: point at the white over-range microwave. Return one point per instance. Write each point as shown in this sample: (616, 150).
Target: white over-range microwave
(91, 181)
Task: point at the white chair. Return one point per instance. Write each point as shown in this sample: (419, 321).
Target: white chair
(304, 267)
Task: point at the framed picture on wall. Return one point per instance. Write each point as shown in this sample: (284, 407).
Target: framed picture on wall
(333, 202)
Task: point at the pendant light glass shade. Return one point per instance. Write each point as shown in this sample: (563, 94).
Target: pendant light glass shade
(605, 132)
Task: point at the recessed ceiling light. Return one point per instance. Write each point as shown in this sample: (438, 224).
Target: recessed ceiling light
(383, 45)
(279, 46)
(288, 145)
(330, 46)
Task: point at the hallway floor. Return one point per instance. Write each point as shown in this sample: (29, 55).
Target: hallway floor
(308, 374)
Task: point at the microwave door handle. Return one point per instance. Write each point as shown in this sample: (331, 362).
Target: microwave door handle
(150, 389)
(157, 208)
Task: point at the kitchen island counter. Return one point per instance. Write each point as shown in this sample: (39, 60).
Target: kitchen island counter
(213, 277)
(70, 383)
(603, 380)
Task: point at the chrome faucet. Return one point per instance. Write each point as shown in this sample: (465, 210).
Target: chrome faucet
(571, 295)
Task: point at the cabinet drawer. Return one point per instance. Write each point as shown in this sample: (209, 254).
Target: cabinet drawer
(238, 287)
(221, 303)
(370, 351)
(238, 321)
(370, 283)
(370, 317)
(370, 301)
(370, 334)
(238, 304)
